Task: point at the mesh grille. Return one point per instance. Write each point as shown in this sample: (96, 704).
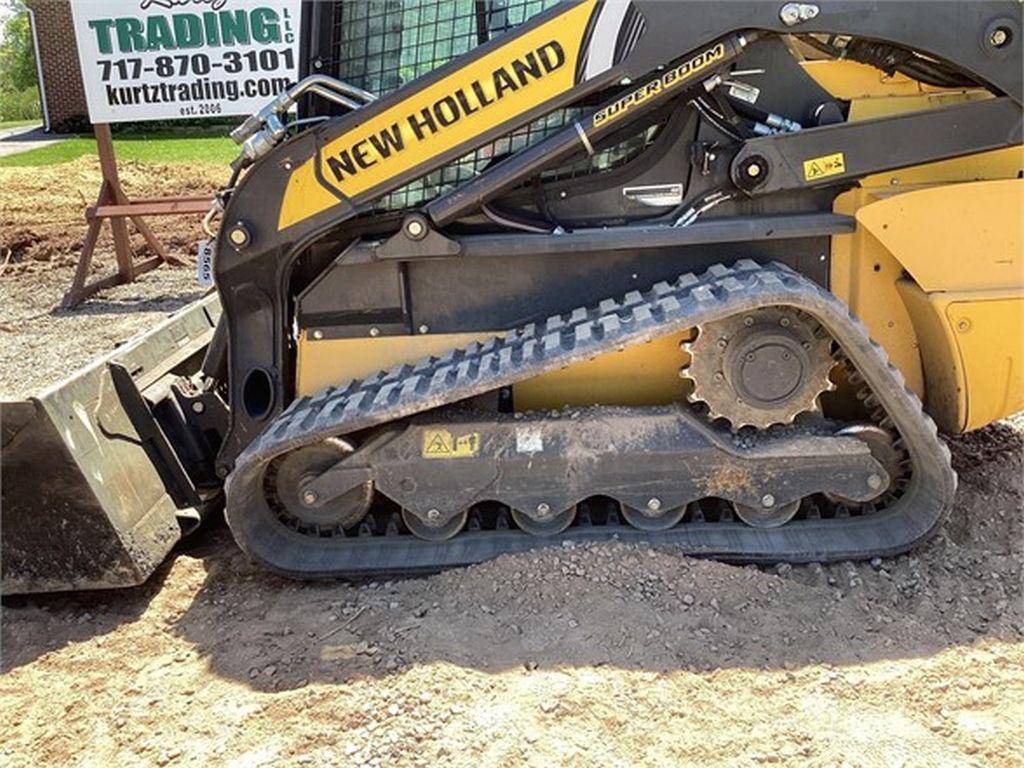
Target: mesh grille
(381, 45)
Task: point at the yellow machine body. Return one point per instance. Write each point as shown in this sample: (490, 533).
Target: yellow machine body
(935, 270)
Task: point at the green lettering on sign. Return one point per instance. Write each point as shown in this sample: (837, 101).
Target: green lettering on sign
(178, 31)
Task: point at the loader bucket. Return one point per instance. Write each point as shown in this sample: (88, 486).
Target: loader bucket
(85, 495)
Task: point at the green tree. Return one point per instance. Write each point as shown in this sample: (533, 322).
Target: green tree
(17, 56)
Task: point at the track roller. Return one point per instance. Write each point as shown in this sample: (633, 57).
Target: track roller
(768, 516)
(653, 517)
(544, 522)
(434, 531)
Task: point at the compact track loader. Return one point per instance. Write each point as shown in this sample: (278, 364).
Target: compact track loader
(675, 272)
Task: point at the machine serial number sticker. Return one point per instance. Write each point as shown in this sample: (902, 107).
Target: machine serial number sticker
(824, 166)
(204, 263)
(442, 444)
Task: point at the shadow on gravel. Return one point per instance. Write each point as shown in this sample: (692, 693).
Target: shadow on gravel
(53, 621)
(129, 305)
(615, 605)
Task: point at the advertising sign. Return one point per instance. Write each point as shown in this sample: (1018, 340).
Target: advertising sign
(167, 59)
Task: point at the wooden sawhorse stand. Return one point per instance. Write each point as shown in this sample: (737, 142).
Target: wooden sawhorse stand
(113, 204)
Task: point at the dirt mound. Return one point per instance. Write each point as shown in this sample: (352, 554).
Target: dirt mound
(42, 220)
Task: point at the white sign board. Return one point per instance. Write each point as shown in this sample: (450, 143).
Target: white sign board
(167, 59)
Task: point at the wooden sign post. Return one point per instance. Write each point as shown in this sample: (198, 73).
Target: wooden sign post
(114, 205)
(182, 62)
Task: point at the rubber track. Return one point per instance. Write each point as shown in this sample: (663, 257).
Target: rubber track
(564, 340)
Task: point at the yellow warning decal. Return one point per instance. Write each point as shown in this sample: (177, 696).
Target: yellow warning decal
(442, 444)
(824, 166)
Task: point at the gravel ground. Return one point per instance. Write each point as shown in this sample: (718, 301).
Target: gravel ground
(612, 654)
(41, 232)
(608, 654)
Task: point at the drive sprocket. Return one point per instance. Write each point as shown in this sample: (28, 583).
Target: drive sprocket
(761, 367)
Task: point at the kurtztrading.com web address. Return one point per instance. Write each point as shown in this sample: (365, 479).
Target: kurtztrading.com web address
(199, 90)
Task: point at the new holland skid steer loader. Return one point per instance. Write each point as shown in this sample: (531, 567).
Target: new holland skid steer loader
(675, 272)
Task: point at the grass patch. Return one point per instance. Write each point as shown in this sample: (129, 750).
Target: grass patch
(154, 147)
(4, 124)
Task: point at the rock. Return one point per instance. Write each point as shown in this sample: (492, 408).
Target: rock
(689, 599)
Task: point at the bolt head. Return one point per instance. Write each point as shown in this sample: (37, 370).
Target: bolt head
(748, 321)
(789, 15)
(753, 170)
(874, 482)
(767, 500)
(198, 407)
(318, 334)
(424, 329)
(309, 497)
(719, 377)
(543, 509)
(722, 343)
(414, 228)
(375, 331)
(433, 515)
(238, 236)
(654, 504)
(999, 37)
